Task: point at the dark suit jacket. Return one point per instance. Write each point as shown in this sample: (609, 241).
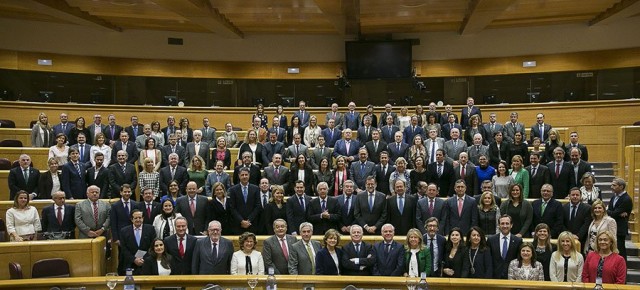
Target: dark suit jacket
(495, 154)
(50, 223)
(308, 181)
(86, 157)
(150, 267)
(553, 216)
(204, 153)
(131, 132)
(281, 179)
(92, 132)
(466, 113)
(180, 266)
(422, 213)
(394, 153)
(325, 264)
(155, 210)
(316, 155)
(360, 176)
(405, 220)
(583, 149)
(132, 152)
(204, 264)
(579, 225)
(58, 129)
(254, 174)
(623, 205)
(45, 184)
(376, 217)
(561, 183)
(120, 218)
(129, 247)
(180, 176)
(536, 182)
(346, 213)
(198, 223)
(351, 120)
(535, 132)
(269, 150)
(408, 134)
(290, 133)
(374, 155)
(444, 118)
(382, 179)
(181, 151)
(330, 140)
(314, 215)
(226, 160)
(470, 178)
(102, 180)
(391, 263)
(440, 241)
(583, 167)
(340, 148)
(366, 255)
(445, 181)
(388, 134)
(166, 133)
(17, 182)
(281, 132)
(116, 133)
(468, 218)
(241, 210)
(117, 178)
(469, 139)
(363, 138)
(73, 182)
(501, 266)
(295, 213)
(446, 130)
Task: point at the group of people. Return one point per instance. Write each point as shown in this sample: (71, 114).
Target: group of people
(397, 171)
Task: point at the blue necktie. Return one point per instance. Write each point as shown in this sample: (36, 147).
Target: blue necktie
(137, 233)
(400, 204)
(244, 193)
(505, 248)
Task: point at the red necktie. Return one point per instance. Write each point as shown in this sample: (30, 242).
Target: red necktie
(59, 215)
(557, 170)
(148, 210)
(459, 206)
(284, 249)
(462, 172)
(430, 206)
(95, 213)
(181, 248)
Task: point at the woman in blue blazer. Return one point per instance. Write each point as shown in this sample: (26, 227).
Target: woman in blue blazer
(328, 259)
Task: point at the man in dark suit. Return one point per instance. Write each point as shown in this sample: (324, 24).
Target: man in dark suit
(561, 173)
(346, 201)
(276, 173)
(504, 247)
(538, 175)
(579, 167)
(383, 173)
(351, 118)
(411, 131)
(272, 147)
(59, 217)
(281, 133)
(135, 129)
(375, 146)
(121, 211)
(23, 177)
(469, 111)
(197, 147)
(573, 143)
(388, 129)
(73, 176)
(96, 127)
(244, 204)
(385, 115)
(302, 114)
(346, 147)
(370, 208)
(549, 211)
(364, 132)
(461, 210)
(84, 148)
(358, 257)
(397, 148)
(435, 242)
(173, 172)
(276, 248)
(511, 127)
(389, 254)
(133, 238)
(121, 173)
(296, 207)
(401, 208)
(359, 171)
(64, 127)
(180, 246)
(195, 208)
(441, 173)
(492, 127)
(212, 255)
(467, 172)
(429, 207)
(148, 206)
(540, 129)
(254, 170)
(324, 212)
(112, 131)
(302, 255)
(99, 175)
(448, 111)
(577, 215)
(450, 125)
(331, 134)
(619, 209)
(127, 146)
(173, 147)
(321, 151)
(169, 129)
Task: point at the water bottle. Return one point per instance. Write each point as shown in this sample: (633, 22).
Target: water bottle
(129, 283)
(271, 280)
(422, 285)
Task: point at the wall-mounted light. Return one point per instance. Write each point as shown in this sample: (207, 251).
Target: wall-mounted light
(293, 70)
(45, 62)
(529, 63)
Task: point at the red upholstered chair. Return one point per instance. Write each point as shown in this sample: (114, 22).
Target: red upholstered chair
(15, 270)
(50, 268)
(10, 143)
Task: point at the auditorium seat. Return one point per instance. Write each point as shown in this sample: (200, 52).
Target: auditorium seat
(10, 143)
(236, 129)
(3, 231)
(5, 164)
(32, 123)
(50, 268)
(7, 123)
(15, 270)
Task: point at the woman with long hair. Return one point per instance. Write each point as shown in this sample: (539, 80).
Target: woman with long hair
(601, 221)
(221, 153)
(23, 221)
(404, 120)
(566, 263)
(328, 259)
(77, 129)
(488, 214)
(42, 132)
(282, 118)
(220, 205)
(519, 209)
(519, 147)
(502, 181)
(301, 170)
(417, 257)
(149, 178)
(164, 222)
(416, 150)
(49, 181)
(60, 151)
(474, 127)
(187, 132)
(260, 114)
(252, 145)
(312, 132)
(173, 190)
(589, 191)
(420, 114)
(198, 173)
(419, 173)
(454, 264)
(520, 174)
(324, 174)
(100, 146)
(156, 131)
(552, 143)
(543, 247)
(341, 174)
(480, 260)
(605, 265)
(526, 267)
(158, 262)
(295, 128)
(276, 208)
(150, 151)
(230, 136)
(247, 261)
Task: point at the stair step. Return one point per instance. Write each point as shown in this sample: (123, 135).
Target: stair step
(633, 262)
(602, 171)
(633, 276)
(603, 164)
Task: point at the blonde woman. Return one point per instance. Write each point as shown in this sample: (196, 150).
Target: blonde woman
(312, 132)
(100, 146)
(567, 262)
(149, 178)
(613, 268)
(198, 173)
(519, 174)
(417, 258)
(23, 221)
(488, 214)
(404, 120)
(42, 133)
(601, 222)
(588, 190)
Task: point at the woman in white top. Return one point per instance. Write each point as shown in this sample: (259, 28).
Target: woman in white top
(60, 151)
(588, 190)
(247, 260)
(567, 262)
(601, 222)
(164, 222)
(159, 261)
(99, 146)
(401, 173)
(155, 131)
(148, 178)
(526, 267)
(23, 221)
(502, 180)
(49, 181)
(404, 120)
(150, 151)
(312, 132)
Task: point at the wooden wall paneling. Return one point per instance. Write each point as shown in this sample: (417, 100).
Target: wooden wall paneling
(627, 135)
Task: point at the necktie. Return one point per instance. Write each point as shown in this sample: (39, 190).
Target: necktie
(218, 177)
(64, 128)
(59, 215)
(433, 152)
(370, 202)
(388, 248)
(284, 249)
(493, 126)
(347, 145)
(173, 173)
(541, 133)
(323, 206)
(214, 251)
(384, 170)
(362, 169)
(460, 201)
(375, 146)
(366, 131)
(82, 153)
(431, 207)
(124, 147)
(264, 200)
(557, 169)
(126, 208)
(542, 208)
(137, 233)
(26, 175)
(400, 204)
(297, 150)
(192, 206)
(431, 249)
(573, 212)
(313, 261)
(277, 172)
(181, 248)
(135, 131)
(173, 149)
(124, 168)
(348, 203)
(505, 248)
(439, 169)
(533, 171)
(78, 168)
(357, 250)
(245, 194)
(398, 144)
(95, 213)
(462, 171)
(615, 199)
(112, 133)
(301, 203)
(149, 210)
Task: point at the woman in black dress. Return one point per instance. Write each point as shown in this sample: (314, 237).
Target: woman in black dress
(324, 174)
(518, 147)
(295, 128)
(301, 170)
(544, 248)
(455, 263)
(220, 206)
(79, 128)
(419, 173)
(478, 255)
(275, 209)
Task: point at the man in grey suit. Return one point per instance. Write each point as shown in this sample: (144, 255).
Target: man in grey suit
(370, 208)
(510, 128)
(197, 147)
(492, 127)
(334, 115)
(302, 258)
(276, 173)
(276, 249)
(455, 146)
(208, 133)
(173, 147)
(140, 140)
(321, 151)
(296, 148)
(96, 127)
(359, 171)
(461, 210)
(477, 149)
(212, 255)
(89, 224)
(432, 144)
(428, 207)
(272, 147)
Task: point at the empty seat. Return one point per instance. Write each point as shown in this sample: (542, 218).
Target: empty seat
(3, 231)
(7, 123)
(236, 129)
(15, 270)
(5, 164)
(50, 268)
(10, 143)
(32, 123)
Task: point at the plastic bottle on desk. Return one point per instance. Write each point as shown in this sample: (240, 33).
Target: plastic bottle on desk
(129, 283)
(422, 285)
(271, 280)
